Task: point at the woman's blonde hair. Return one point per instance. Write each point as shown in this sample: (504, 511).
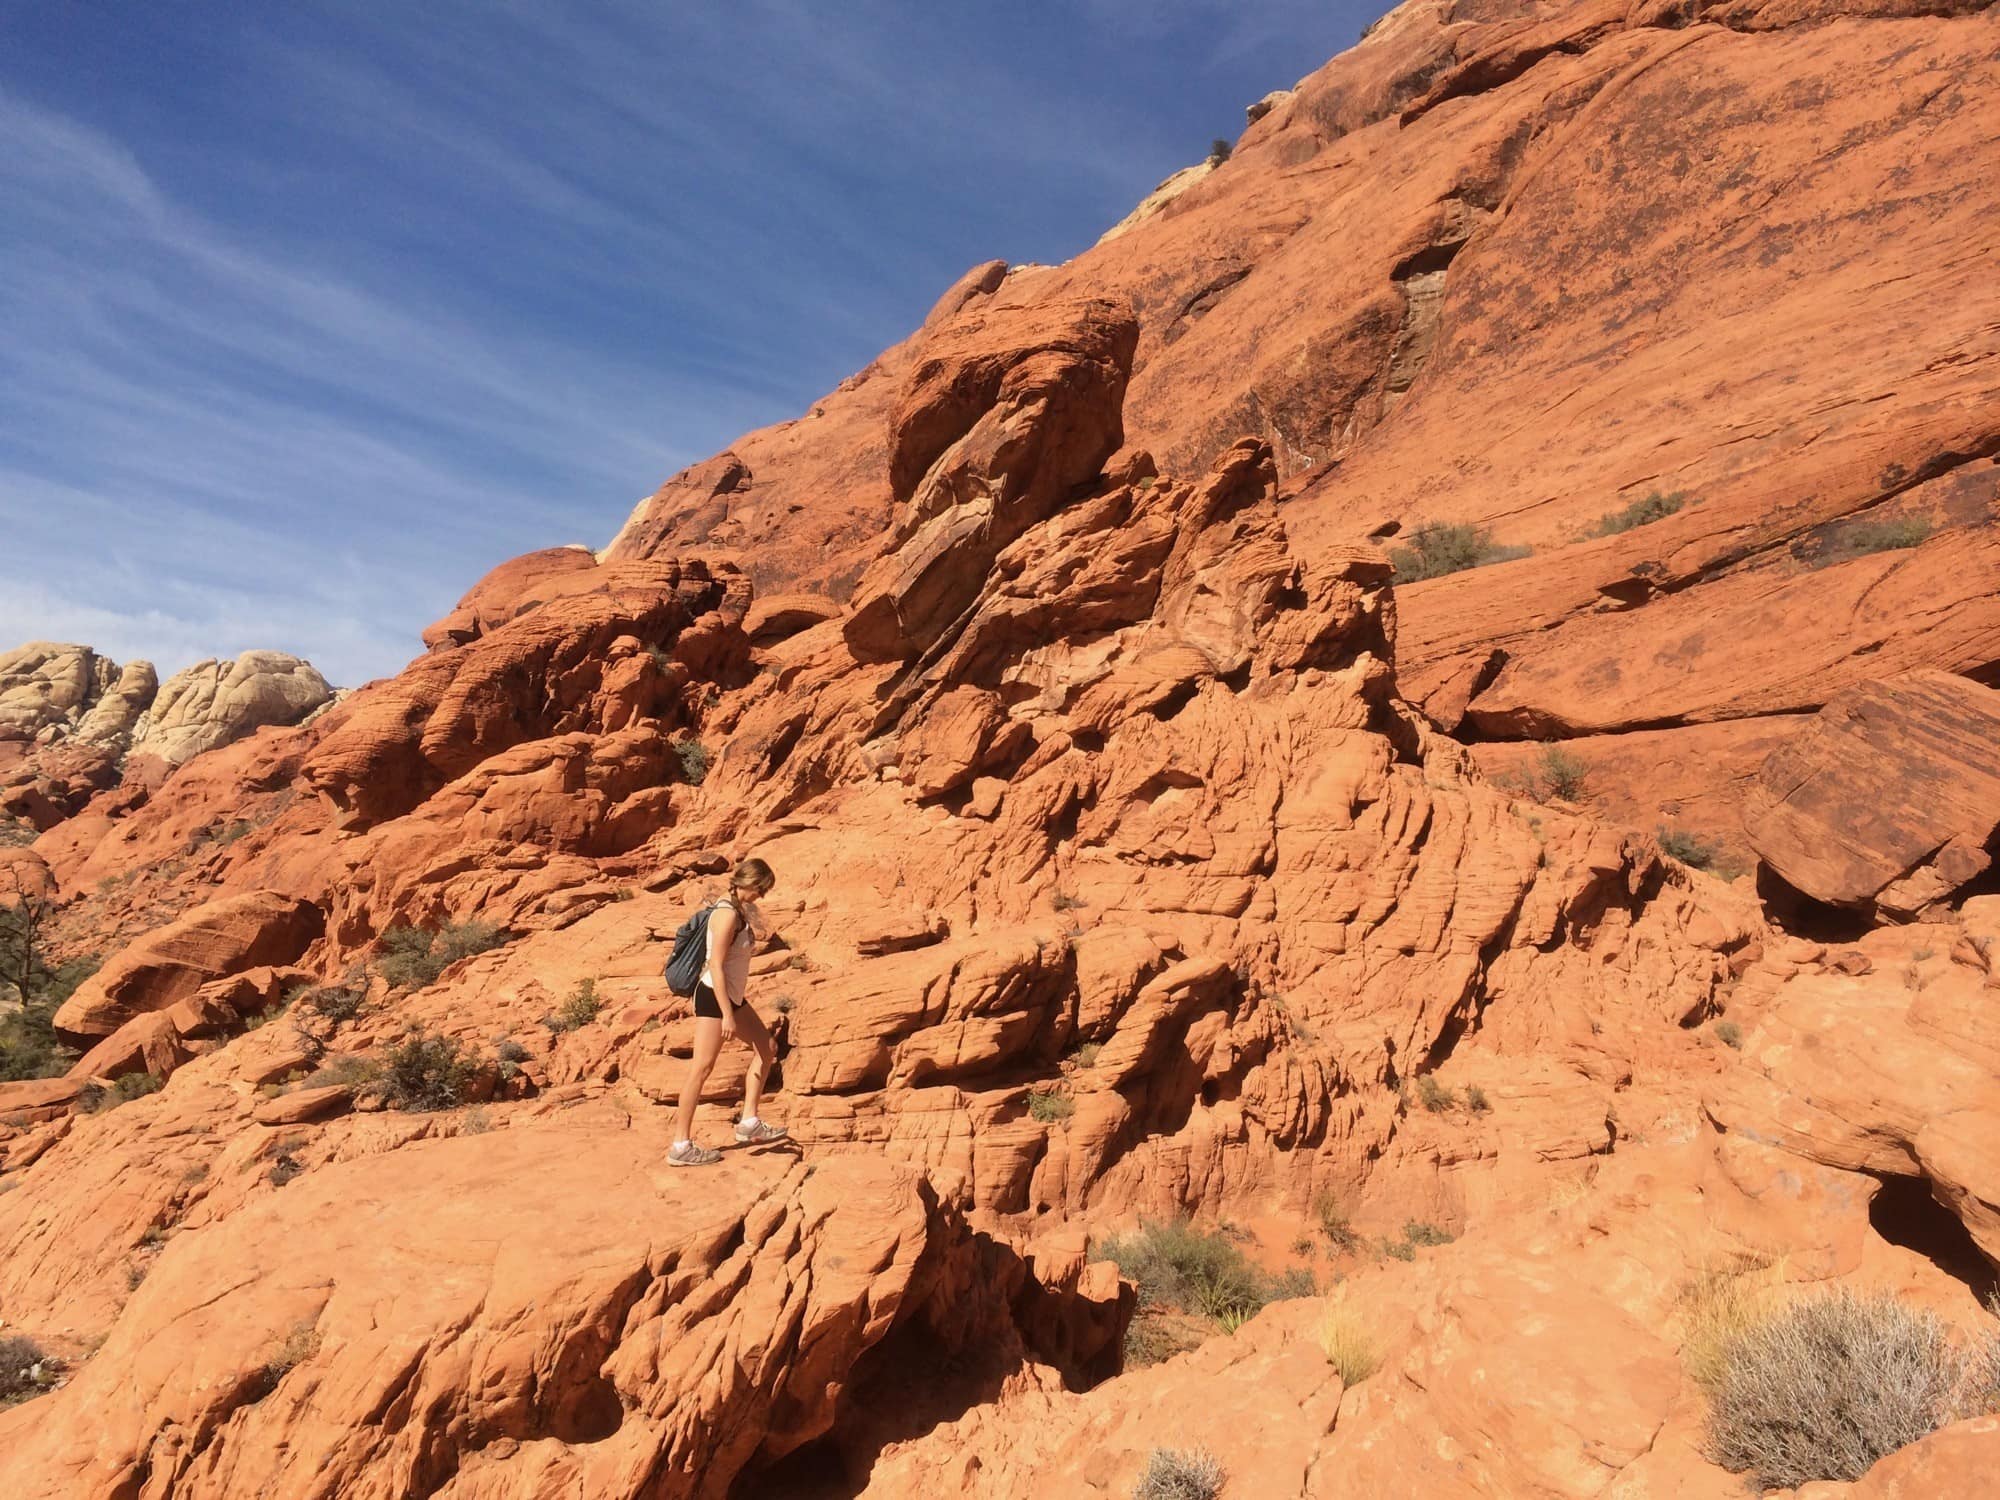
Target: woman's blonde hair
(752, 875)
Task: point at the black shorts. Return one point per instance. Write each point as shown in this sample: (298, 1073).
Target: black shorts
(705, 1003)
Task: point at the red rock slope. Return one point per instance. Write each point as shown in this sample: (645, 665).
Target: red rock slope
(1521, 267)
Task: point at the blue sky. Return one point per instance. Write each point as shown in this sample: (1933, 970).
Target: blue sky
(314, 312)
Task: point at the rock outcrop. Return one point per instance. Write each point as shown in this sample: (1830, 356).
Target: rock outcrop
(630, 1331)
(1889, 799)
(1466, 274)
(73, 723)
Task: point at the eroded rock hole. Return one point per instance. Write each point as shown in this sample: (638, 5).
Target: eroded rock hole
(1906, 1213)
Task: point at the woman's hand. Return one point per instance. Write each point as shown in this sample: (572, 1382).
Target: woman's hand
(728, 1020)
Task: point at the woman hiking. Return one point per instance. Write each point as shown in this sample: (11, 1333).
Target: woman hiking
(721, 1011)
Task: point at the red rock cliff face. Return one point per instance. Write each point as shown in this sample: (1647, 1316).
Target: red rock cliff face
(1521, 268)
(1128, 861)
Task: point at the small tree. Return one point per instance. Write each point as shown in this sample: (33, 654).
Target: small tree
(1218, 151)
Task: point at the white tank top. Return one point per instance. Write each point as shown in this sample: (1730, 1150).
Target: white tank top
(735, 963)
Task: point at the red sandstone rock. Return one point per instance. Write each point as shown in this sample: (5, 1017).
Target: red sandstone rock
(215, 940)
(509, 590)
(1888, 798)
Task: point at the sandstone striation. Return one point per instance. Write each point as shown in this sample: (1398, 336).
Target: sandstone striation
(1889, 800)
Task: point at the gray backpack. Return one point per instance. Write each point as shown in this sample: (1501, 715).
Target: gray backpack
(690, 955)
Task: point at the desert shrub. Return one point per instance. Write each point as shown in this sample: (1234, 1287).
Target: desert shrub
(1689, 848)
(284, 1168)
(1399, 1250)
(349, 1070)
(1823, 1387)
(300, 1345)
(425, 1072)
(1417, 1232)
(1561, 775)
(1729, 1033)
(1176, 1265)
(694, 759)
(411, 958)
(333, 1003)
(1554, 775)
(1434, 1096)
(1151, 1338)
(1049, 1108)
(1180, 1474)
(1476, 1100)
(1218, 150)
(1655, 507)
(28, 1045)
(1064, 901)
(1863, 538)
(24, 1369)
(1436, 549)
(94, 1099)
(16, 833)
(1347, 1343)
(580, 1009)
(1291, 1284)
(1085, 1055)
(1333, 1223)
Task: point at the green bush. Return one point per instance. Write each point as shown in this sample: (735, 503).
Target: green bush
(1176, 1265)
(1180, 1474)
(1824, 1387)
(28, 1045)
(1333, 1223)
(411, 958)
(334, 1003)
(1417, 1232)
(284, 1168)
(426, 1072)
(695, 761)
(1862, 538)
(1561, 775)
(1048, 1108)
(1476, 1100)
(1655, 507)
(580, 1009)
(24, 1369)
(1434, 1096)
(1689, 848)
(1436, 549)
(94, 1099)
(1218, 150)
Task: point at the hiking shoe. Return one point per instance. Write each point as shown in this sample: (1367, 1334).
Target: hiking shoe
(692, 1155)
(759, 1134)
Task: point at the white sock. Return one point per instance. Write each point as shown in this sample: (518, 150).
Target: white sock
(752, 1120)
(679, 1144)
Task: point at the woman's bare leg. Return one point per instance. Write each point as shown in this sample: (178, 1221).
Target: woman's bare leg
(707, 1044)
(757, 1036)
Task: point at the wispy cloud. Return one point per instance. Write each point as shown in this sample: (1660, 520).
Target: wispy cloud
(316, 312)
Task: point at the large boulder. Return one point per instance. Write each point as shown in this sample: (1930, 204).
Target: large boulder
(214, 703)
(1003, 417)
(1888, 799)
(216, 939)
(512, 588)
